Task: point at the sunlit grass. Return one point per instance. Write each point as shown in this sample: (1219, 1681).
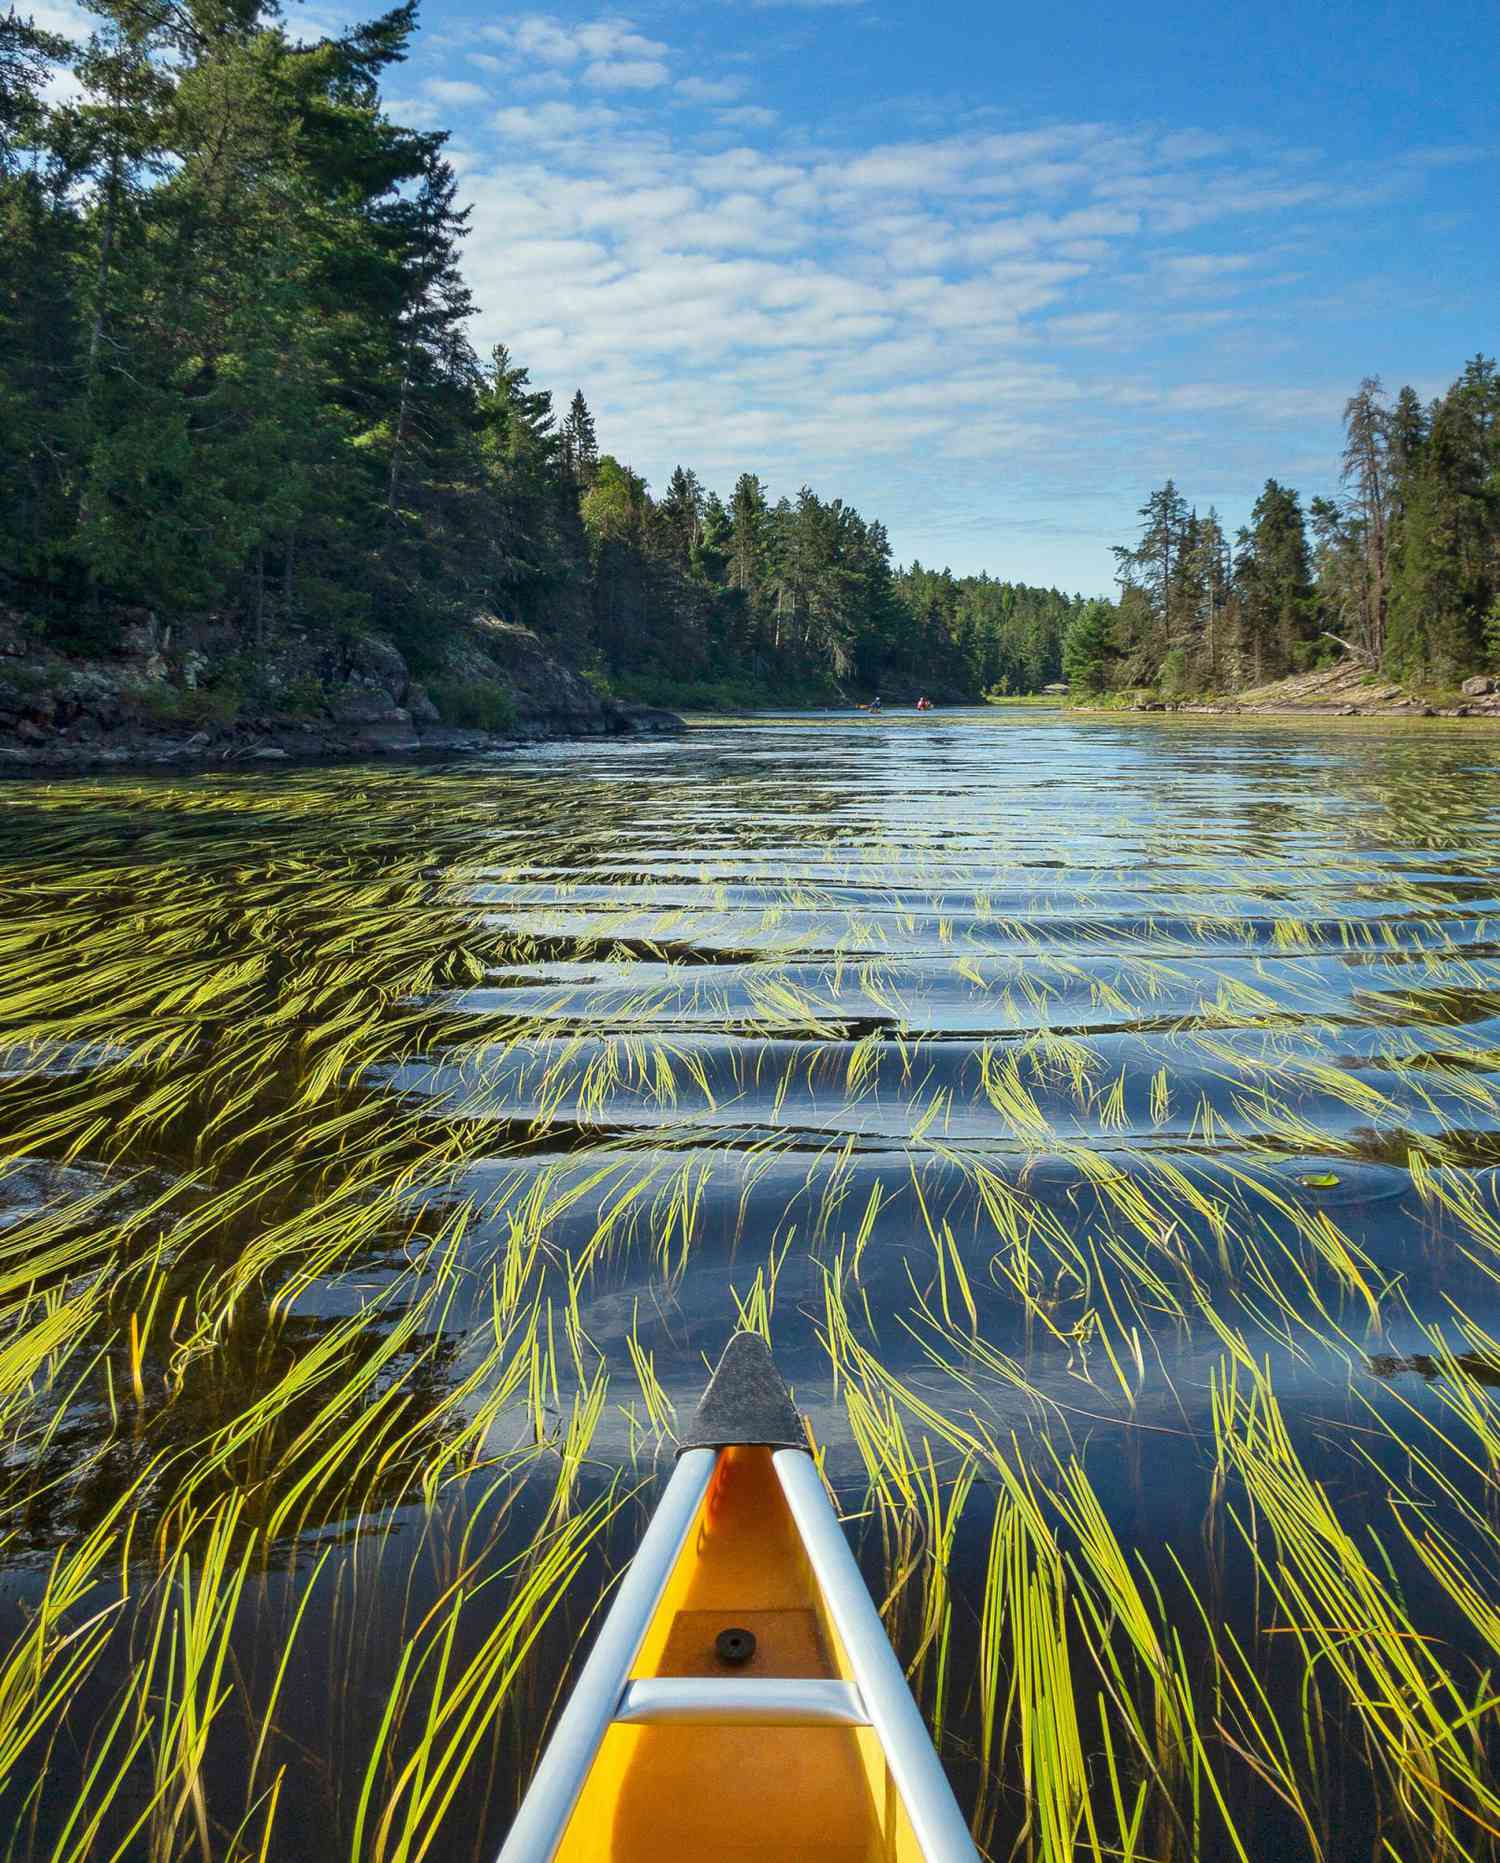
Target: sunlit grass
(366, 1148)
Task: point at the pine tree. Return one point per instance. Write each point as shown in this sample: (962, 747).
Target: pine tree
(580, 447)
(1153, 569)
(680, 516)
(747, 534)
(28, 58)
(1274, 578)
(41, 235)
(1448, 568)
(1366, 467)
(1339, 563)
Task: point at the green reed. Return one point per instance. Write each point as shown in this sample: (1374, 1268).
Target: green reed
(268, 1354)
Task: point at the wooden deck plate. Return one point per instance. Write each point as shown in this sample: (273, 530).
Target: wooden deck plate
(788, 1642)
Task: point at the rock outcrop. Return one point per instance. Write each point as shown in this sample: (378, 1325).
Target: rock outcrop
(168, 698)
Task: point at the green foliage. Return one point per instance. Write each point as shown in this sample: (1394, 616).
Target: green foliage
(1173, 679)
(1404, 568)
(234, 379)
(305, 697)
(1445, 531)
(189, 707)
(720, 695)
(474, 704)
(1277, 608)
(1492, 633)
(1089, 651)
(23, 681)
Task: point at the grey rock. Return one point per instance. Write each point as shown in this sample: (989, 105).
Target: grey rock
(302, 742)
(504, 653)
(366, 705)
(267, 753)
(440, 738)
(1478, 686)
(421, 707)
(379, 744)
(386, 731)
(647, 720)
(376, 665)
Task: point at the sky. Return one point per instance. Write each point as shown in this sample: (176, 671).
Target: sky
(989, 274)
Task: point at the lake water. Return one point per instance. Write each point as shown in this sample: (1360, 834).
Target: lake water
(1097, 1115)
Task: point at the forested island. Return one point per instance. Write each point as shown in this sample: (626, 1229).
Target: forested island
(247, 439)
(1403, 571)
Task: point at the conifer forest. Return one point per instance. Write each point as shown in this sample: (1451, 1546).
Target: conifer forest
(235, 378)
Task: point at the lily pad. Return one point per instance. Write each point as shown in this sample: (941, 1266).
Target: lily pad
(1320, 1180)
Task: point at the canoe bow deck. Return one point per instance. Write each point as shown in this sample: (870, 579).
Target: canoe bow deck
(742, 1700)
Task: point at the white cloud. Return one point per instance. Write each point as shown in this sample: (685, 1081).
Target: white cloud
(748, 116)
(552, 41)
(550, 122)
(60, 17)
(1062, 306)
(455, 91)
(709, 90)
(626, 74)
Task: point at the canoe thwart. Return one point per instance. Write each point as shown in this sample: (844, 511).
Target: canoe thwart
(741, 1701)
(746, 1403)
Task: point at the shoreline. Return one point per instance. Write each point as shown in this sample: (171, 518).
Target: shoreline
(60, 758)
(157, 703)
(1348, 689)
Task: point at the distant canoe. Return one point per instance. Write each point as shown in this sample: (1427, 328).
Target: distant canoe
(742, 1699)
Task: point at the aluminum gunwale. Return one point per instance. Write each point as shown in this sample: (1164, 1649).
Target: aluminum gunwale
(554, 1790)
(910, 1754)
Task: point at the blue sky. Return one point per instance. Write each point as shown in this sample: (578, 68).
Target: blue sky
(988, 274)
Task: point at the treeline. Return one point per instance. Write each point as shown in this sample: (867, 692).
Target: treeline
(235, 381)
(1403, 568)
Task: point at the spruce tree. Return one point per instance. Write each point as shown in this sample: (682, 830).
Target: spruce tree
(1089, 650)
(580, 446)
(1274, 578)
(1448, 569)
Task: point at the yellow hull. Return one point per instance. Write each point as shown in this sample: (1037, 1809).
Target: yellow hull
(680, 1794)
(741, 1699)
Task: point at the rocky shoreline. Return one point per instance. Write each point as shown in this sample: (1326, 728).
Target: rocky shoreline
(157, 703)
(1349, 689)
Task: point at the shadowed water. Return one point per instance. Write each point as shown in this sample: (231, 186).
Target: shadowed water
(1091, 1096)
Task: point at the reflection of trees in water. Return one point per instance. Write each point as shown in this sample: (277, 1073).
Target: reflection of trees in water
(1475, 1365)
(89, 1459)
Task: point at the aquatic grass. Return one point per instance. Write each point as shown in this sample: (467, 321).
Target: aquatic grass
(416, 1132)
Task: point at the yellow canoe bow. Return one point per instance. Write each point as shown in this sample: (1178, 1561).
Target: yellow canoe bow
(742, 1700)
